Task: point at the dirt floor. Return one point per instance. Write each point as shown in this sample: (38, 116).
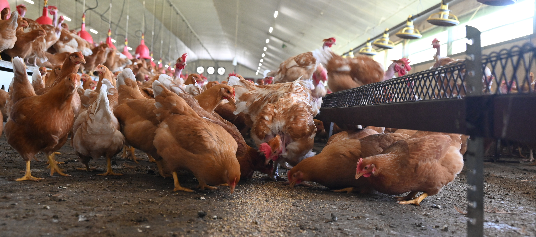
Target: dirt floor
(141, 203)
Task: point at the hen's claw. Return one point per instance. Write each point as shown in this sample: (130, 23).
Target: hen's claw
(415, 201)
(128, 153)
(53, 165)
(178, 186)
(203, 186)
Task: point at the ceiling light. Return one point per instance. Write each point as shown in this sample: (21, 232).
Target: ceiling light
(257, 73)
(93, 31)
(263, 55)
(66, 18)
(258, 68)
(265, 48)
(270, 30)
(210, 70)
(113, 40)
(260, 64)
(200, 70)
(29, 1)
(221, 70)
(275, 14)
(262, 60)
(129, 48)
(267, 40)
(166, 66)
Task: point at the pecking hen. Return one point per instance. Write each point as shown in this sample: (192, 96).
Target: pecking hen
(282, 118)
(424, 164)
(185, 140)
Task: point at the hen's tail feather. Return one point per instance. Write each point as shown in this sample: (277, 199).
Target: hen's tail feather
(13, 20)
(124, 75)
(22, 87)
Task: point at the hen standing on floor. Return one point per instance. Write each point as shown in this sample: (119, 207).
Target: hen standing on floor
(27, 131)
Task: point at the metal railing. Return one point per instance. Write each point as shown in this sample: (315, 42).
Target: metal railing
(505, 72)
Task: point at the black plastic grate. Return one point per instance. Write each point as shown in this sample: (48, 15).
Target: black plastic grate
(503, 72)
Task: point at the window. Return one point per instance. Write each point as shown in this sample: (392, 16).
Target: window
(396, 52)
(380, 57)
(498, 25)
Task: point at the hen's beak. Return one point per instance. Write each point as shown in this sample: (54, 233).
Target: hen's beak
(267, 161)
(232, 186)
(231, 99)
(357, 175)
(292, 183)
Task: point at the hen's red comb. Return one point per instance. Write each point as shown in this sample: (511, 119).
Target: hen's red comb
(184, 57)
(233, 74)
(332, 39)
(405, 60)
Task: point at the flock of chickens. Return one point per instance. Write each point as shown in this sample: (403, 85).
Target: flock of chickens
(187, 123)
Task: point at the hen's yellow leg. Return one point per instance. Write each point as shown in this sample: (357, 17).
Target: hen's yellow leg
(109, 168)
(160, 168)
(415, 201)
(178, 186)
(133, 155)
(57, 162)
(124, 155)
(28, 174)
(53, 165)
(151, 159)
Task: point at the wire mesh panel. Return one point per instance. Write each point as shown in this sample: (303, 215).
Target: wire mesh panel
(505, 72)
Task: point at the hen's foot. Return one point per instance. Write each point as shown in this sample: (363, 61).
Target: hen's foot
(151, 159)
(203, 186)
(28, 174)
(410, 196)
(347, 190)
(53, 165)
(109, 168)
(132, 156)
(178, 186)
(87, 168)
(53, 156)
(415, 201)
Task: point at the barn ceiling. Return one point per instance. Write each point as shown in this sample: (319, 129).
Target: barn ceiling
(223, 30)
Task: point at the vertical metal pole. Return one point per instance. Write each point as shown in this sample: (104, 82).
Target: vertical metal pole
(475, 149)
(475, 191)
